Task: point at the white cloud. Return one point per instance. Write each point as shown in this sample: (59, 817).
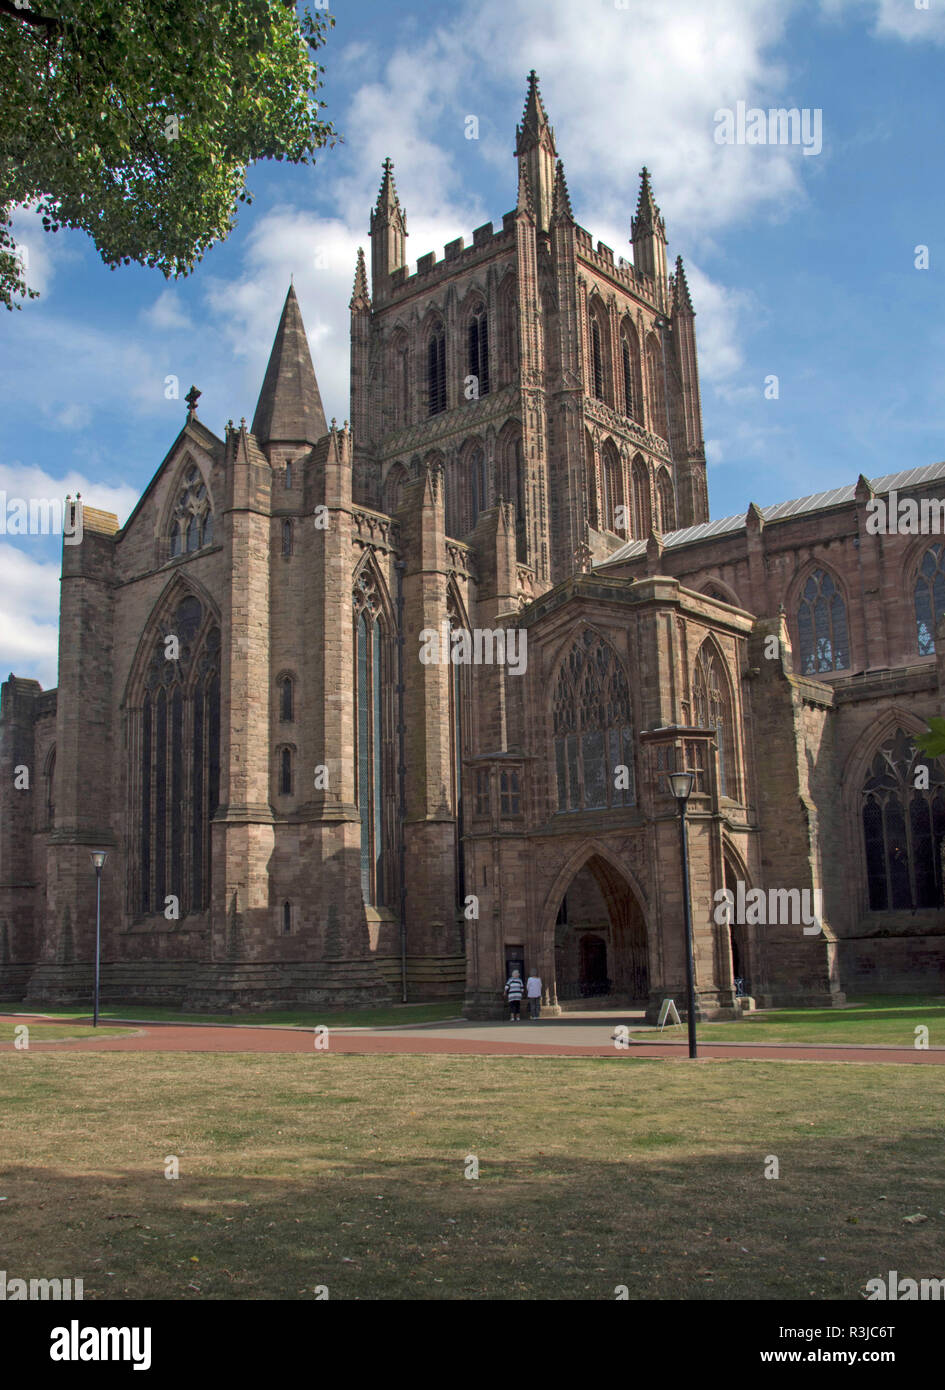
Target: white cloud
(26, 481)
(900, 19)
(167, 313)
(29, 615)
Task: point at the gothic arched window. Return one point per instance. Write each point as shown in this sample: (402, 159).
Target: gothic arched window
(628, 362)
(612, 487)
(286, 918)
(712, 709)
(477, 351)
(369, 734)
(478, 485)
(176, 782)
(394, 486)
(641, 499)
(592, 728)
(285, 772)
(286, 700)
(436, 370)
(929, 596)
(903, 815)
(286, 539)
(822, 626)
(597, 361)
(654, 382)
(666, 501)
(192, 518)
(508, 328)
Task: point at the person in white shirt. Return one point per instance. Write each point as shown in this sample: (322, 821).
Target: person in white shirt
(533, 994)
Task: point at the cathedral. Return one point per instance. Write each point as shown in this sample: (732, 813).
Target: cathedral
(380, 712)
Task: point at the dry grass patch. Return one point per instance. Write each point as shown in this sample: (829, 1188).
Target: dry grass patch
(348, 1171)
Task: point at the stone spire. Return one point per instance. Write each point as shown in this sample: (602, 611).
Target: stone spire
(682, 301)
(561, 201)
(388, 233)
(360, 295)
(289, 409)
(648, 234)
(536, 153)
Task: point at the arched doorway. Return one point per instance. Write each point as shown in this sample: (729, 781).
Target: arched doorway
(738, 936)
(600, 938)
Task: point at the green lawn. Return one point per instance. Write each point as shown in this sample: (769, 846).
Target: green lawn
(888, 1019)
(286, 1018)
(55, 1032)
(348, 1172)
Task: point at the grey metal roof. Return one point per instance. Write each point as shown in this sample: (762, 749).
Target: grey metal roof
(780, 511)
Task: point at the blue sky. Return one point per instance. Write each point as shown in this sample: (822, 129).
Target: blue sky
(799, 266)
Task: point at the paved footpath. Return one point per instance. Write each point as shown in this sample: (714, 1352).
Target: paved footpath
(573, 1037)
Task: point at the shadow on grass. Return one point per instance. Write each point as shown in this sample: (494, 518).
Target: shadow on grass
(545, 1226)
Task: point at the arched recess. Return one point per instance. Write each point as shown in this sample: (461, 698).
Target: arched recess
(172, 713)
(511, 480)
(613, 500)
(599, 366)
(629, 374)
(595, 513)
(739, 938)
(713, 707)
(475, 483)
(640, 481)
(818, 615)
(398, 367)
(507, 300)
(655, 387)
(396, 480)
(717, 588)
(665, 501)
(595, 895)
(373, 632)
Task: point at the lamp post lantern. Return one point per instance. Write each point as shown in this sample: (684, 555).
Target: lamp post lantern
(681, 785)
(98, 857)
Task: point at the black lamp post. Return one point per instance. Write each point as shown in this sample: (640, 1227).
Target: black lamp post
(681, 784)
(98, 857)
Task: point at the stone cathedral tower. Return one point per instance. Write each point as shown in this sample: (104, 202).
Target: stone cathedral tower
(307, 798)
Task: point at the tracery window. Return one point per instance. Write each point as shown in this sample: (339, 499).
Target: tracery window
(597, 361)
(436, 371)
(628, 360)
(592, 724)
(641, 498)
(666, 501)
(612, 489)
(192, 518)
(822, 626)
(477, 350)
(655, 387)
(369, 762)
(712, 710)
(176, 780)
(903, 815)
(929, 594)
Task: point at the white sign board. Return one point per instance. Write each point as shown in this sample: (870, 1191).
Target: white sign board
(669, 1011)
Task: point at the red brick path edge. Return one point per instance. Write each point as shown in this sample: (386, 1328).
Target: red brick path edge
(202, 1038)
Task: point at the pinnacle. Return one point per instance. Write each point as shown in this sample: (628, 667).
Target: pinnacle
(648, 214)
(360, 291)
(681, 297)
(561, 201)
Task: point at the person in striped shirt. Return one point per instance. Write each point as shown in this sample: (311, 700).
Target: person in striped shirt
(514, 989)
